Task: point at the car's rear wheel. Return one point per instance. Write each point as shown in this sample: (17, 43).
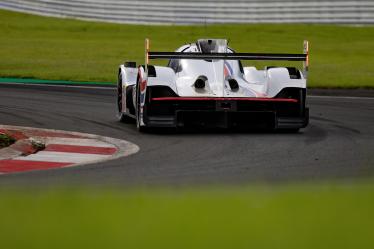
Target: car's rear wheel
(122, 117)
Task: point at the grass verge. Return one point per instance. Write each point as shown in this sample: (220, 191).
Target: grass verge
(5, 140)
(282, 216)
(65, 49)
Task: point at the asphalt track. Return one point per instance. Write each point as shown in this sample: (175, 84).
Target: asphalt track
(338, 143)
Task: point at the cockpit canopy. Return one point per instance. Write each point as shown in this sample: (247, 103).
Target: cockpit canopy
(206, 46)
(212, 46)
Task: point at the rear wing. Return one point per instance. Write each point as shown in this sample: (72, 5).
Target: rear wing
(304, 57)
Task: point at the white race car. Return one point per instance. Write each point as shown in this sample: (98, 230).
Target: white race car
(205, 84)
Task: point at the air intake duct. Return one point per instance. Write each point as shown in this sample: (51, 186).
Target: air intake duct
(233, 84)
(200, 82)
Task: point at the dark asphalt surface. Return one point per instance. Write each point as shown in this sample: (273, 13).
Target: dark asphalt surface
(338, 143)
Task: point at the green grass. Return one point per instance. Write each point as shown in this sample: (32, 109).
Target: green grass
(5, 140)
(279, 216)
(63, 49)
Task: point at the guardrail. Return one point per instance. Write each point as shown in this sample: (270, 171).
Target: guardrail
(202, 12)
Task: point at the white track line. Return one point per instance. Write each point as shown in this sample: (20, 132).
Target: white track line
(79, 142)
(62, 157)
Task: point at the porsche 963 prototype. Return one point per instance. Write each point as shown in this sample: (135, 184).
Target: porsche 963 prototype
(205, 84)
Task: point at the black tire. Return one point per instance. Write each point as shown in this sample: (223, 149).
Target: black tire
(122, 117)
(302, 102)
